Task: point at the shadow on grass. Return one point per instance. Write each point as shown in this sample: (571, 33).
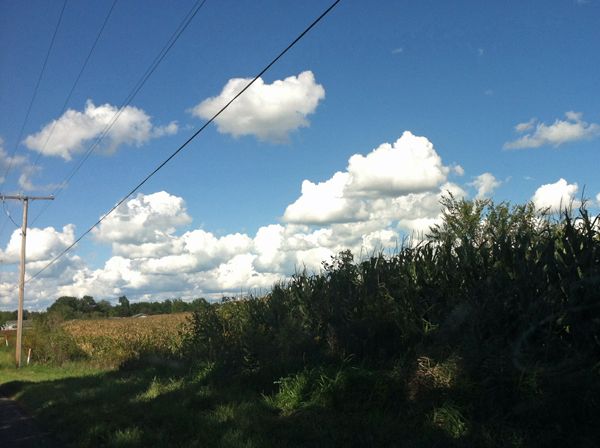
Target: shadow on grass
(11, 388)
(431, 402)
(170, 406)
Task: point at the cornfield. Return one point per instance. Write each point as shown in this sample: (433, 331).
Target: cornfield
(112, 341)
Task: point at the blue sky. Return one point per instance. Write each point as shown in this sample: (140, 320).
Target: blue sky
(485, 99)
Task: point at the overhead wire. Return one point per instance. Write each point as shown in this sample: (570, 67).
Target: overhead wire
(187, 142)
(11, 157)
(8, 215)
(33, 97)
(76, 82)
(132, 94)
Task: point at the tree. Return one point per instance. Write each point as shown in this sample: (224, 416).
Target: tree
(124, 308)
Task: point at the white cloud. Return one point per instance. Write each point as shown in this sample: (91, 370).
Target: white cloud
(398, 50)
(556, 196)
(525, 126)
(325, 202)
(409, 165)
(485, 183)
(26, 182)
(68, 135)
(42, 244)
(558, 133)
(267, 111)
(7, 161)
(154, 254)
(458, 170)
(170, 129)
(210, 250)
(240, 273)
(144, 219)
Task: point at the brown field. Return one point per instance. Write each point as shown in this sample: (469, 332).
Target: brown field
(115, 340)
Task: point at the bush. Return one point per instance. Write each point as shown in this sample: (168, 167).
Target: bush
(50, 343)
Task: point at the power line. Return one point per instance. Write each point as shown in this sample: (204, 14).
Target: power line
(11, 158)
(193, 136)
(140, 83)
(87, 59)
(8, 214)
(35, 91)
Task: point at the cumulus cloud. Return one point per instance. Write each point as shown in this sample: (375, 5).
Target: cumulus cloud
(144, 219)
(42, 244)
(267, 111)
(556, 196)
(572, 129)
(485, 184)
(325, 202)
(69, 134)
(155, 255)
(408, 166)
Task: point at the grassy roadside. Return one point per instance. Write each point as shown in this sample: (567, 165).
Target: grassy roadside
(172, 405)
(36, 373)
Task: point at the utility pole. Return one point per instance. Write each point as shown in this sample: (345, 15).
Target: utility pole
(25, 200)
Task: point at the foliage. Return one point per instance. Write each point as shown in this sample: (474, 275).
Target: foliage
(50, 343)
(499, 303)
(68, 308)
(485, 334)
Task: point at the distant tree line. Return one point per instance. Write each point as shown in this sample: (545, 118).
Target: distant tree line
(6, 316)
(86, 307)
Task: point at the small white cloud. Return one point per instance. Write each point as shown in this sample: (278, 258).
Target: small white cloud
(67, 135)
(480, 52)
(7, 161)
(485, 183)
(26, 182)
(170, 129)
(556, 196)
(558, 133)
(458, 170)
(526, 126)
(267, 111)
(398, 50)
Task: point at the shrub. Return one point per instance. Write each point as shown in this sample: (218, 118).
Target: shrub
(50, 343)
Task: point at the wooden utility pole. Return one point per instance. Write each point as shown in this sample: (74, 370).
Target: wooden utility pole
(25, 200)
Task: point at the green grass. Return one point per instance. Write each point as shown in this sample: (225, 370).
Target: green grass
(170, 405)
(35, 373)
